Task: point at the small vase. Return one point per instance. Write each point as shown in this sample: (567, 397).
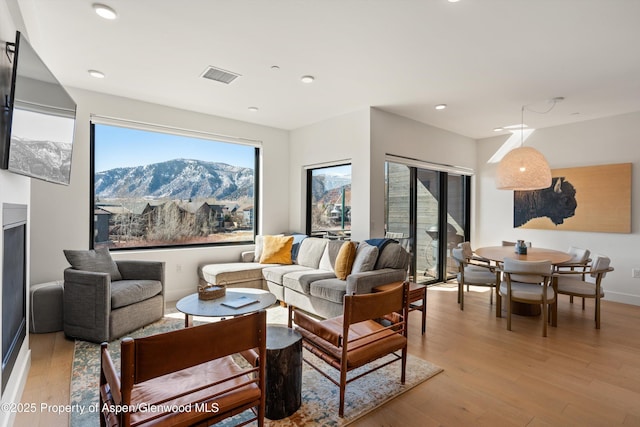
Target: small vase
(521, 247)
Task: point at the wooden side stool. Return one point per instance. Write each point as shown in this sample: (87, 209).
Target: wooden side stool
(417, 299)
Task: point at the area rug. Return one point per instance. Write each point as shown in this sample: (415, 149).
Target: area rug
(319, 395)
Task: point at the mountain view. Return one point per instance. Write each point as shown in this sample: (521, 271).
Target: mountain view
(48, 160)
(176, 179)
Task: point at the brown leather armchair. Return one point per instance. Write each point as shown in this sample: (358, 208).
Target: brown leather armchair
(358, 337)
(184, 377)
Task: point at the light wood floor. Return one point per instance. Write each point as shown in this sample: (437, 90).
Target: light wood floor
(576, 376)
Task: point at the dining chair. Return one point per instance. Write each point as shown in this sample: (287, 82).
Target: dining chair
(528, 282)
(473, 272)
(586, 283)
(579, 262)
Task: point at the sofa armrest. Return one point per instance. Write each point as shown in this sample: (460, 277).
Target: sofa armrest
(363, 283)
(247, 256)
(87, 304)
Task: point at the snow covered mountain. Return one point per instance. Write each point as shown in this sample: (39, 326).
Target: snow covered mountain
(176, 179)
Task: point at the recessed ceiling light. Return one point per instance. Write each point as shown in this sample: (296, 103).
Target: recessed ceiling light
(275, 67)
(498, 129)
(105, 11)
(441, 106)
(253, 109)
(307, 79)
(454, 1)
(96, 74)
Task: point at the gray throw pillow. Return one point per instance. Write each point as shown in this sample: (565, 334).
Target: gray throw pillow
(366, 256)
(97, 261)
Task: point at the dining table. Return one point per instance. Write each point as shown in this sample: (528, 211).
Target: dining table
(497, 254)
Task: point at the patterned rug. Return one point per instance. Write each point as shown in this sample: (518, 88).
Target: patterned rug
(319, 395)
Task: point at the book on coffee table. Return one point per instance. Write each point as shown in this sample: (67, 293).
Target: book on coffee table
(239, 302)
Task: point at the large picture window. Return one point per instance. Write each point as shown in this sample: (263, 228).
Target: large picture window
(154, 189)
(329, 201)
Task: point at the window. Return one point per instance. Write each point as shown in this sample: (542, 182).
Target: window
(153, 189)
(329, 201)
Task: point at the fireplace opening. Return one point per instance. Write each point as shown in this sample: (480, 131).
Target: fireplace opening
(14, 285)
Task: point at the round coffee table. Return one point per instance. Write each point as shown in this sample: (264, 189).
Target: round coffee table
(191, 305)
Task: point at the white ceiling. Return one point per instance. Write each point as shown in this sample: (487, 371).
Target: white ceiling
(483, 58)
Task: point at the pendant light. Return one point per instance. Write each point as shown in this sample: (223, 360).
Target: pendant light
(524, 168)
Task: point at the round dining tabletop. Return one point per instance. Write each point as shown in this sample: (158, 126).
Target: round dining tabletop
(499, 253)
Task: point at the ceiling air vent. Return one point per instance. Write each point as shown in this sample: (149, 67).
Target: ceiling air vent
(219, 75)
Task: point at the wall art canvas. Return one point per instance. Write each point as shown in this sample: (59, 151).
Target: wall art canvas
(590, 198)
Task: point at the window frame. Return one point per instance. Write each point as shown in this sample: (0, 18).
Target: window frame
(309, 193)
(178, 132)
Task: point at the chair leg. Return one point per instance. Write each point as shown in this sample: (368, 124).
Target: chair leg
(461, 295)
(343, 386)
(571, 299)
(498, 303)
(404, 365)
(545, 319)
(597, 312)
(509, 313)
(583, 303)
(491, 295)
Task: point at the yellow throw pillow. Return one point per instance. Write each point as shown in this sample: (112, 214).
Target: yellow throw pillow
(344, 260)
(276, 250)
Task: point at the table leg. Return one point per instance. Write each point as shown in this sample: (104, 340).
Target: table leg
(188, 321)
(424, 311)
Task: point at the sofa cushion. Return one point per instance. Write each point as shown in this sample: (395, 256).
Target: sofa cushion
(365, 259)
(274, 274)
(127, 292)
(94, 260)
(311, 250)
(300, 280)
(276, 250)
(330, 254)
(232, 272)
(329, 289)
(392, 256)
(344, 261)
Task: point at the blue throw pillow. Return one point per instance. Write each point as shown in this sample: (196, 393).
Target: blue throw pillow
(297, 239)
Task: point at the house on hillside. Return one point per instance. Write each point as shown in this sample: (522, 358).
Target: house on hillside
(209, 218)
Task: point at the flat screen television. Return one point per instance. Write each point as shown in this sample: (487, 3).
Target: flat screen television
(39, 119)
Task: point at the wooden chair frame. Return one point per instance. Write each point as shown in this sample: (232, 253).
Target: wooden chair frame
(478, 262)
(597, 295)
(365, 310)
(185, 351)
(549, 307)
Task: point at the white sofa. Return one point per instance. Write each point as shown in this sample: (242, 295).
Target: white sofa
(310, 283)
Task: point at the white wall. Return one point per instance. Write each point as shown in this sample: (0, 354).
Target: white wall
(13, 189)
(364, 137)
(595, 142)
(400, 136)
(60, 214)
(343, 138)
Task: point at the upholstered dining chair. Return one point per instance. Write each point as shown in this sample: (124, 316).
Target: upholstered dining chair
(192, 368)
(585, 283)
(528, 282)
(579, 262)
(473, 272)
(358, 337)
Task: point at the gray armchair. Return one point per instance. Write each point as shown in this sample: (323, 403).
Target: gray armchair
(99, 309)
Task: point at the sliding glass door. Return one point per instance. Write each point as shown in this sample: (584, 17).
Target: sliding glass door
(429, 211)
